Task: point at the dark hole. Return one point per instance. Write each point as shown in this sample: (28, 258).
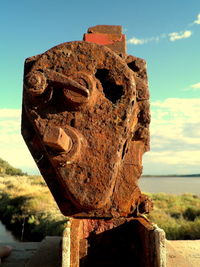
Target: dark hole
(133, 66)
(72, 123)
(124, 150)
(124, 116)
(117, 247)
(112, 91)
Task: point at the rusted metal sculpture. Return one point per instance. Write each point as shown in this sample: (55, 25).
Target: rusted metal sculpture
(86, 122)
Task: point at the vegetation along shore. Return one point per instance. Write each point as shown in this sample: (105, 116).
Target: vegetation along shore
(28, 208)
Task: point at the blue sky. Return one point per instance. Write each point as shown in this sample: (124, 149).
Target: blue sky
(165, 33)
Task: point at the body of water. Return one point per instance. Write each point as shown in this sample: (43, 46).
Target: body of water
(6, 235)
(170, 185)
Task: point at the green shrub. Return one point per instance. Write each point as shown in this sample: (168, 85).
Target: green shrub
(27, 207)
(178, 216)
(26, 204)
(7, 169)
(191, 213)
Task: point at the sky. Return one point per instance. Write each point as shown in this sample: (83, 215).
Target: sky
(165, 33)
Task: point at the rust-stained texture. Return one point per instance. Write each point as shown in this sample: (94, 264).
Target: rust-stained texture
(111, 36)
(117, 242)
(86, 122)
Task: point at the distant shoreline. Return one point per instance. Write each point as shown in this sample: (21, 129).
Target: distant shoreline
(172, 175)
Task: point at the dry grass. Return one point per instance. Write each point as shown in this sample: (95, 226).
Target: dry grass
(179, 215)
(28, 198)
(32, 187)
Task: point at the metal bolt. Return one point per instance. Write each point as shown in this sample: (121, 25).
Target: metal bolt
(76, 93)
(35, 83)
(56, 138)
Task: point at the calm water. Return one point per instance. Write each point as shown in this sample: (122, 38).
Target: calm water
(5, 235)
(171, 185)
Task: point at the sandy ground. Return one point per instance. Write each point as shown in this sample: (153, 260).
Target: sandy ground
(183, 253)
(180, 253)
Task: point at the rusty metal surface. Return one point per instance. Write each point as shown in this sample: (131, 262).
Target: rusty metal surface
(110, 36)
(85, 120)
(117, 242)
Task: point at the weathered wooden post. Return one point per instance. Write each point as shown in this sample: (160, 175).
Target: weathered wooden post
(86, 122)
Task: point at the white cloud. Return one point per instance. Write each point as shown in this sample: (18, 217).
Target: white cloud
(175, 137)
(174, 36)
(178, 157)
(10, 113)
(195, 86)
(12, 146)
(136, 41)
(197, 21)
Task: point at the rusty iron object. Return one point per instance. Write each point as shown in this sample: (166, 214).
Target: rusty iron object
(86, 122)
(117, 242)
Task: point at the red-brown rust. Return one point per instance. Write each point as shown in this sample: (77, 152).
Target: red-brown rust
(57, 139)
(110, 36)
(115, 242)
(99, 101)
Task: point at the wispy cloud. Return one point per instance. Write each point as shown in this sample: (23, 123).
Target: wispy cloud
(197, 21)
(175, 137)
(195, 86)
(10, 113)
(174, 36)
(137, 41)
(12, 146)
